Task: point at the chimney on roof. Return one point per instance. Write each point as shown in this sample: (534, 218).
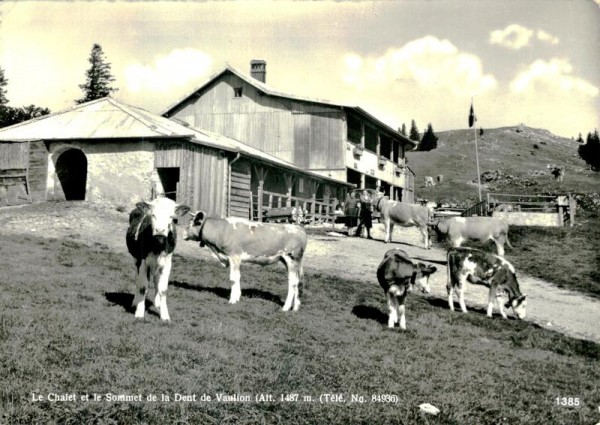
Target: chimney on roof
(258, 70)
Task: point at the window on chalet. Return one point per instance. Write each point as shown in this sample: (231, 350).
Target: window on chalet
(370, 139)
(237, 92)
(385, 147)
(354, 130)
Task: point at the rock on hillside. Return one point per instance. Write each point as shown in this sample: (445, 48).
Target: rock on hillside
(521, 152)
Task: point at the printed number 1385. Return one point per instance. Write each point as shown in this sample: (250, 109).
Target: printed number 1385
(567, 401)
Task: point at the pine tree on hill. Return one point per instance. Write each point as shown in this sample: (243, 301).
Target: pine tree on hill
(98, 77)
(590, 151)
(429, 141)
(414, 132)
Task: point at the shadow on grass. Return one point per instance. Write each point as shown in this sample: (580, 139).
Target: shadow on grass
(443, 303)
(125, 300)
(370, 313)
(225, 292)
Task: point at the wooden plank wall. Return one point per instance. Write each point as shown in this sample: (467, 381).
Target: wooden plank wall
(14, 163)
(14, 155)
(38, 170)
(202, 176)
(265, 122)
(241, 190)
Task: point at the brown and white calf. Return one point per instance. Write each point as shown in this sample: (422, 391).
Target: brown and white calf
(151, 239)
(403, 214)
(398, 274)
(234, 241)
(459, 229)
(482, 268)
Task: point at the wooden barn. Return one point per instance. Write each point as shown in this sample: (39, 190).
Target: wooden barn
(339, 141)
(106, 151)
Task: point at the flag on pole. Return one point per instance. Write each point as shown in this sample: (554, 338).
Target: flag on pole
(472, 117)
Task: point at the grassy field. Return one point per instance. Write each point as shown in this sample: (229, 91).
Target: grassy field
(568, 257)
(66, 327)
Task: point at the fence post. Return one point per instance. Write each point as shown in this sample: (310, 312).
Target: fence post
(572, 208)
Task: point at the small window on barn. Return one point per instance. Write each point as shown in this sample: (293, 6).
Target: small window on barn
(237, 92)
(301, 185)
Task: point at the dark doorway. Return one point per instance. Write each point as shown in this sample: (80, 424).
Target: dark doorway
(71, 169)
(353, 177)
(169, 178)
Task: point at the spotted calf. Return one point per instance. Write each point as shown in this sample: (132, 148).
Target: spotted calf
(483, 268)
(398, 274)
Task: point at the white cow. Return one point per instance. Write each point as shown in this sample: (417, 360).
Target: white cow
(235, 240)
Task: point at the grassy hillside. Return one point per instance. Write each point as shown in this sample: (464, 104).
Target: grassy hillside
(568, 256)
(518, 151)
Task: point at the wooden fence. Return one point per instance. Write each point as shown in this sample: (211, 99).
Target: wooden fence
(562, 207)
(314, 210)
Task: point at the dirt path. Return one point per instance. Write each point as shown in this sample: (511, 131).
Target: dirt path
(565, 311)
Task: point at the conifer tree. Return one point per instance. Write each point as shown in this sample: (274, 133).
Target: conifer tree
(414, 132)
(429, 140)
(98, 77)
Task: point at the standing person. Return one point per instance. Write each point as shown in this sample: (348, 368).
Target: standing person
(366, 214)
(351, 211)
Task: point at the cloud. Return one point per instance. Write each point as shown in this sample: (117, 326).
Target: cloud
(172, 71)
(427, 63)
(548, 38)
(513, 37)
(516, 37)
(553, 75)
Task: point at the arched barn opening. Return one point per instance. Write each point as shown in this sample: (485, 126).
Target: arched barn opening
(71, 169)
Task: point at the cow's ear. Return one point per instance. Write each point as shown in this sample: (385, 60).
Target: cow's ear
(199, 218)
(144, 206)
(182, 209)
(430, 270)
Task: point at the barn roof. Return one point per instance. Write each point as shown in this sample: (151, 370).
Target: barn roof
(107, 118)
(272, 92)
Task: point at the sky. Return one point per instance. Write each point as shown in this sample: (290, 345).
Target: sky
(535, 62)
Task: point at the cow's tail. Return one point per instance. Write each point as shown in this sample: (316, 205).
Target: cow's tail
(508, 242)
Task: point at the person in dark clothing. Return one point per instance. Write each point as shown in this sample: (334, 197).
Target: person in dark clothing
(351, 211)
(366, 214)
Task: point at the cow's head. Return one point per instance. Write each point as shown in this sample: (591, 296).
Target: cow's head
(506, 279)
(162, 212)
(420, 277)
(194, 229)
(441, 229)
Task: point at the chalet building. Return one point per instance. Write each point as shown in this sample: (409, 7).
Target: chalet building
(337, 141)
(107, 151)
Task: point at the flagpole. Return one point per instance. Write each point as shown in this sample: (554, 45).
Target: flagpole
(472, 121)
(477, 160)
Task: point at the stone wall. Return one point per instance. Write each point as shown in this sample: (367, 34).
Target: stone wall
(517, 218)
(118, 172)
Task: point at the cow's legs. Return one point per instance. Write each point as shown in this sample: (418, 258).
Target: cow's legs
(499, 246)
(139, 299)
(161, 282)
(393, 311)
(389, 229)
(234, 278)
(495, 296)
(425, 233)
(401, 310)
(450, 290)
(461, 299)
(294, 272)
(462, 283)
